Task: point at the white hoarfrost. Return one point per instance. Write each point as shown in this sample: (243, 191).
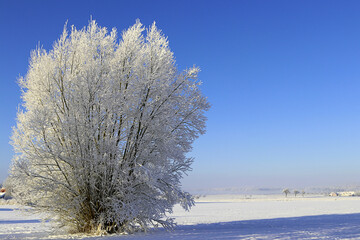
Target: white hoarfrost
(102, 135)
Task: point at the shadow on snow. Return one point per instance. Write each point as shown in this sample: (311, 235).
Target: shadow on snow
(19, 221)
(6, 209)
(336, 226)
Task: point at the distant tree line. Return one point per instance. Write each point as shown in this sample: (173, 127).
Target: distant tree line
(286, 191)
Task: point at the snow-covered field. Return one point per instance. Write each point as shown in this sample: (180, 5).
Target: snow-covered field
(223, 217)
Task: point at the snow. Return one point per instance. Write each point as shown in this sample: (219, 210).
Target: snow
(19, 224)
(222, 217)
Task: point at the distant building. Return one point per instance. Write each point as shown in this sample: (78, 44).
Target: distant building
(2, 192)
(333, 194)
(346, 194)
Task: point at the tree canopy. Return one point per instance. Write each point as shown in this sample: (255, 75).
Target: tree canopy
(104, 128)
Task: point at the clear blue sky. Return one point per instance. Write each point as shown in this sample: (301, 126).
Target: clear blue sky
(283, 78)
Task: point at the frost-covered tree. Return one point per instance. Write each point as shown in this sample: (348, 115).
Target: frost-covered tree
(102, 135)
(286, 191)
(296, 192)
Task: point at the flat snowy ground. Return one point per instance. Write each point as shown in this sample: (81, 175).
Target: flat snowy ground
(224, 217)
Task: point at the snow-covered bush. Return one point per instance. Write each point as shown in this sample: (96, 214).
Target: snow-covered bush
(103, 132)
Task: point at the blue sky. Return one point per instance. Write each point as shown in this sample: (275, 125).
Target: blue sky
(283, 78)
